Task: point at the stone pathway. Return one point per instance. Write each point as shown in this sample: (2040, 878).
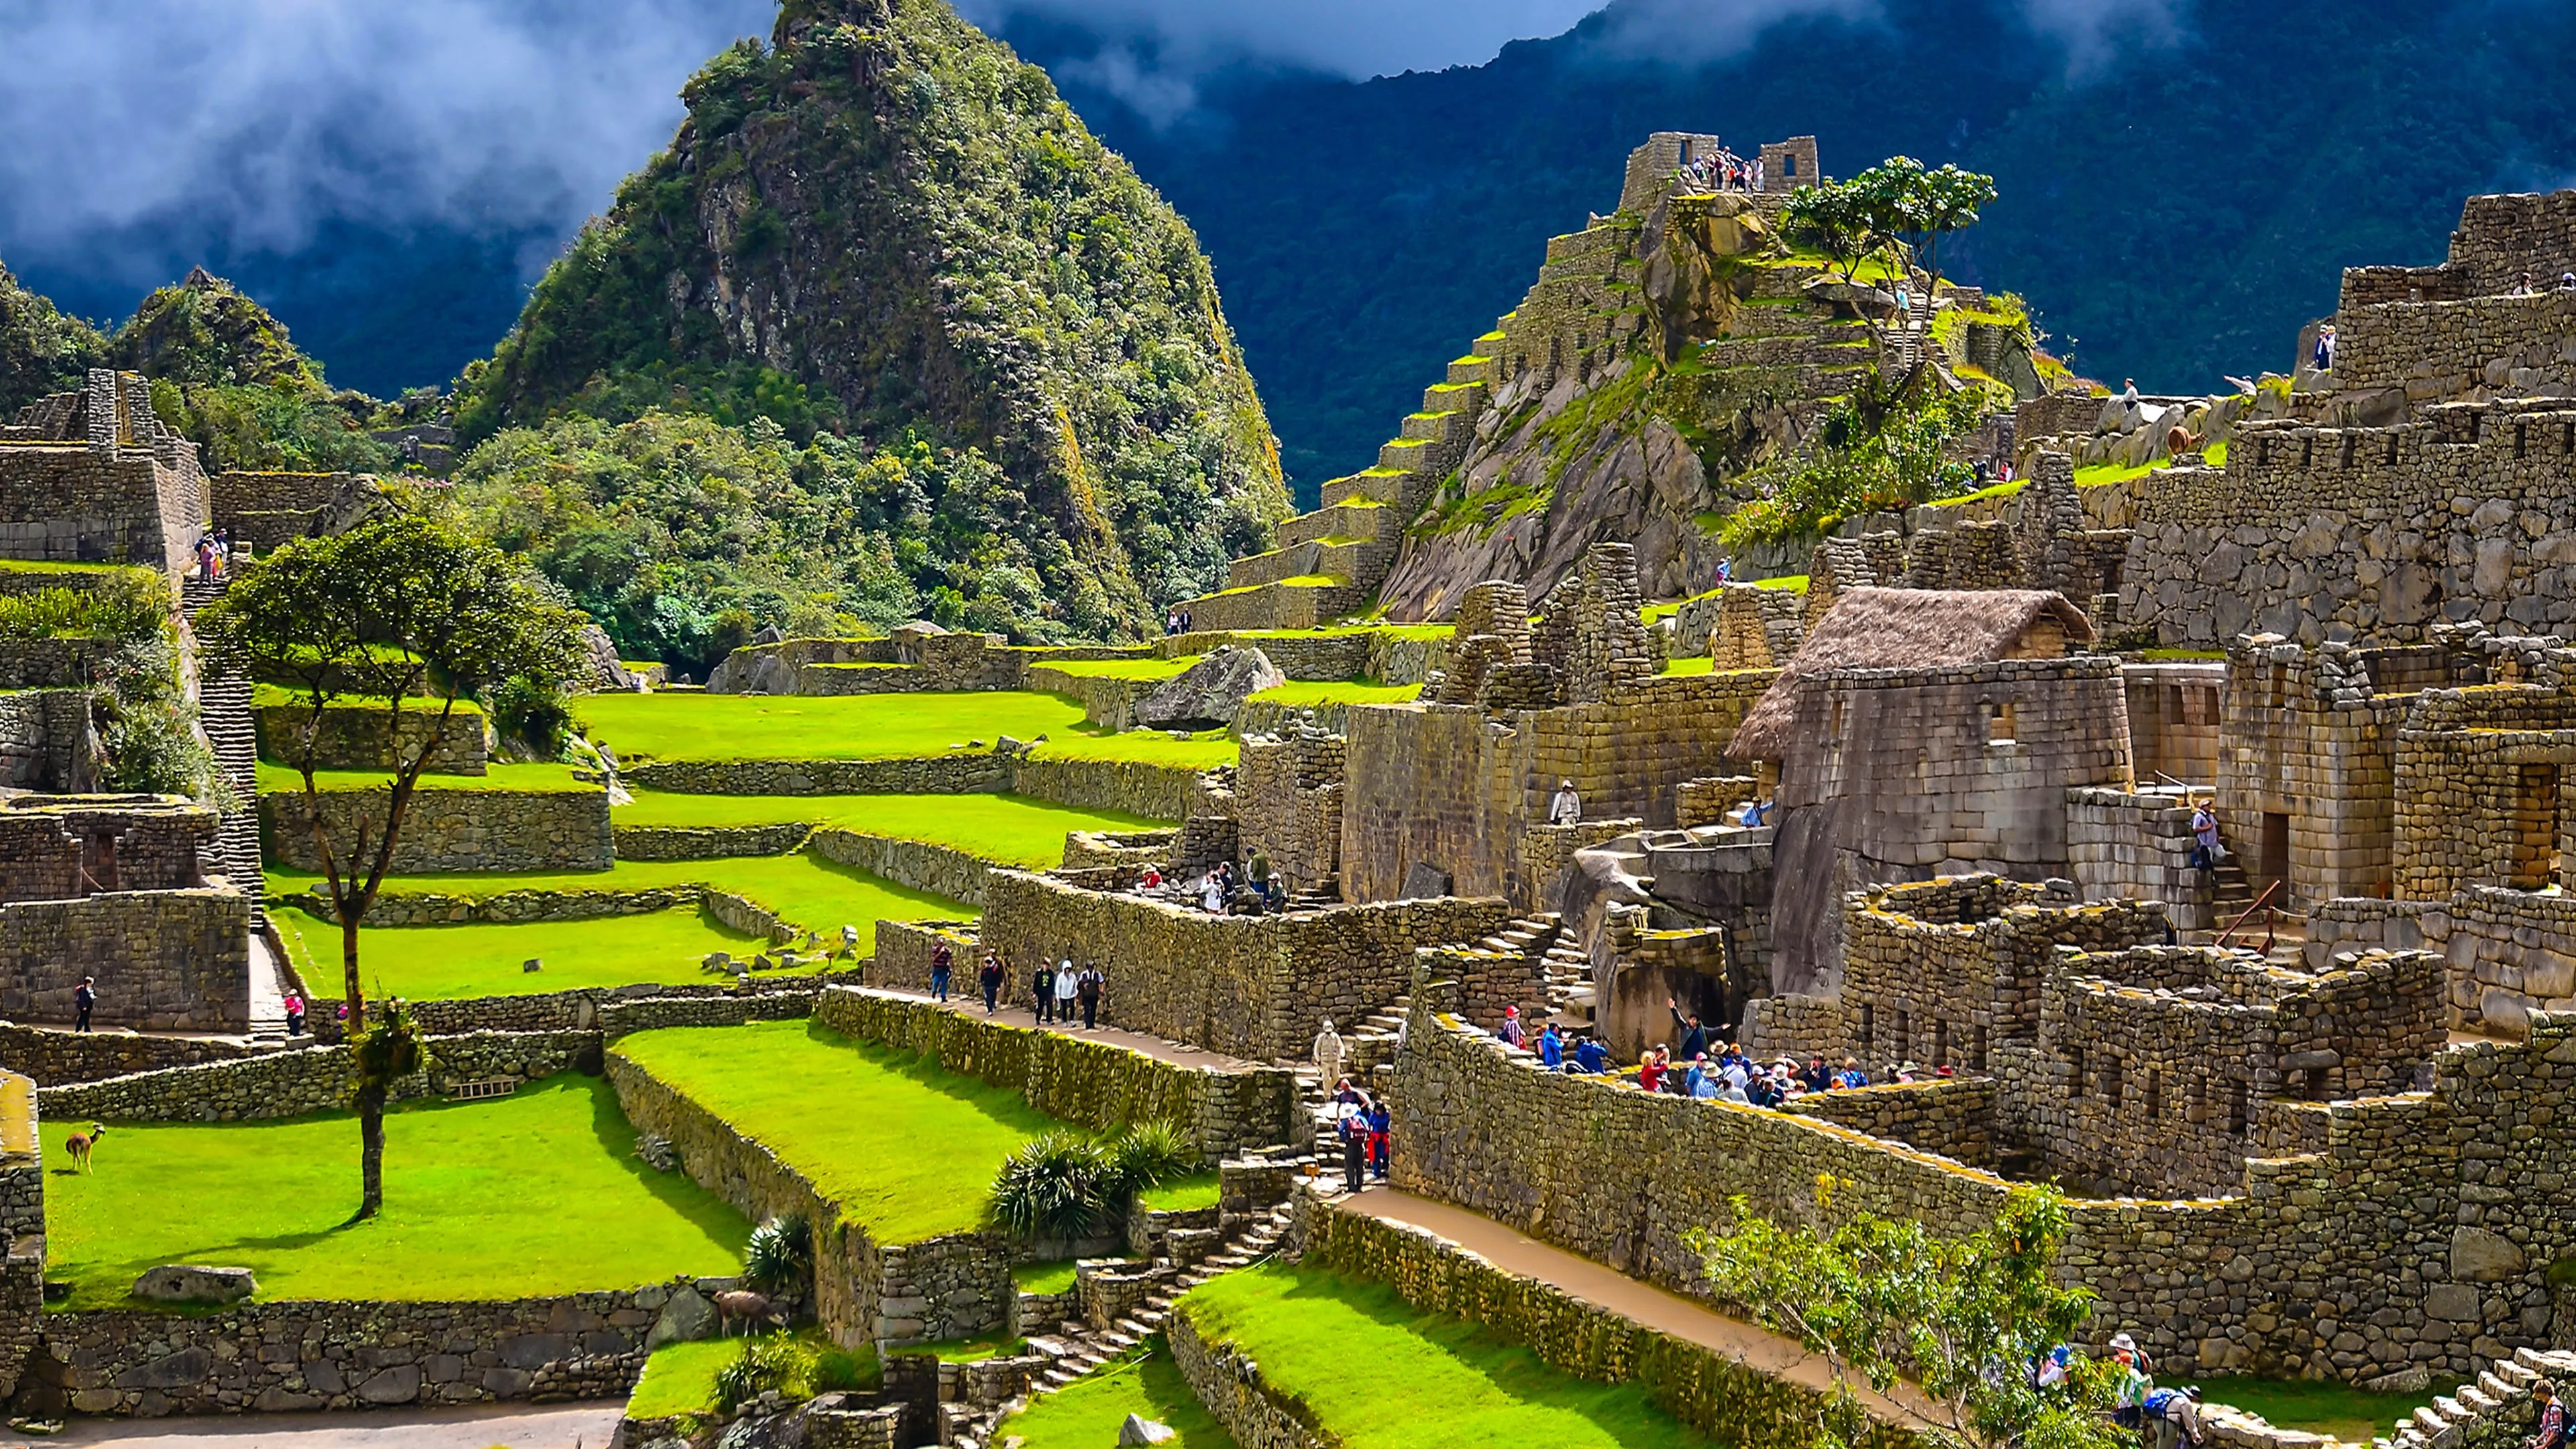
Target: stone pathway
(1642, 1303)
(552, 1426)
(1152, 1046)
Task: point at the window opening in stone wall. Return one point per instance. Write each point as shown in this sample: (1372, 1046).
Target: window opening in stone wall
(2236, 1106)
(2001, 722)
(2111, 1084)
(1977, 1048)
(2277, 686)
(2351, 446)
(2155, 1094)
(1788, 165)
(2535, 827)
(2392, 447)
(2076, 1081)
(2195, 1098)
(1904, 1036)
(2314, 1088)
(1834, 721)
(2522, 440)
(1868, 1034)
(1940, 1044)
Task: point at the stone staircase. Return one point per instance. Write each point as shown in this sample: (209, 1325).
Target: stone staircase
(2494, 1410)
(1080, 1348)
(1570, 986)
(223, 714)
(1330, 562)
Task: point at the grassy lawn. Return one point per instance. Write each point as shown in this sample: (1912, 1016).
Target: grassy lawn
(2355, 1416)
(1699, 664)
(1392, 631)
(1300, 692)
(1182, 1194)
(277, 779)
(1377, 1372)
(806, 890)
(536, 1193)
(905, 1148)
(443, 963)
(1088, 1412)
(1044, 1277)
(869, 727)
(680, 1378)
(971, 1350)
(1005, 829)
(1123, 668)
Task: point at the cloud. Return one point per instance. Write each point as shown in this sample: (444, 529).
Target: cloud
(1355, 39)
(1693, 32)
(257, 121)
(2095, 32)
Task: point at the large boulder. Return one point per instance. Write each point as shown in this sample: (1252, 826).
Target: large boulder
(1140, 1430)
(1206, 695)
(190, 1283)
(605, 670)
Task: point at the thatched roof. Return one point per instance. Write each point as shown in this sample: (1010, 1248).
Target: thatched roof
(1901, 629)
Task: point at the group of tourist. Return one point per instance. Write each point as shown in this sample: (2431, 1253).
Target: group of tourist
(2323, 358)
(1056, 991)
(1363, 1125)
(2170, 1417)
(1176, 619)
(2528, 286)
(1724, 171)
(214, 549)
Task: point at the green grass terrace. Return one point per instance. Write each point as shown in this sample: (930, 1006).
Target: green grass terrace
(676, 726)
(905, 1147)
(536, 1193)
(1004, 829)
(1088, 1412)
(450, 963)
(1380, 1374)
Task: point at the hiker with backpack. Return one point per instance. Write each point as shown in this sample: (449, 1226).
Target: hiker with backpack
(2175, 1413)
(2555, 1431)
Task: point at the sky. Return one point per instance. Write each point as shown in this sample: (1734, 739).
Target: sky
(152, 129)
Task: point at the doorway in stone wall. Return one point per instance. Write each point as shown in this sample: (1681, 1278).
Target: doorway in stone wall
(2272, 856)
(2535, 827)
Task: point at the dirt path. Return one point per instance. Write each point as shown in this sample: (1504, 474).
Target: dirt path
(552, 1426)
(1641, 1303)
(971, 1004)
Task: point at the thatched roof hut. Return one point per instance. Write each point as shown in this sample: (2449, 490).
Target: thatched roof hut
(1910, 629)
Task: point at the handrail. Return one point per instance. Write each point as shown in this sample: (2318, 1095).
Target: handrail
(2259, 903)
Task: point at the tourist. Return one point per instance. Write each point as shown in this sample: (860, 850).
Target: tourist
(1567, 807)
(2323, 358)
(1328, 1052)
(1151, 881)
(2553, 1418)
(1042, 993)
(1590, 1056)
(1817, 1076)
(1068, 985)
(1381, 1122)
(2522, 286)
(1851, 1075)
(2204, 837)
(1088, 987)
(84, 1000)
(294, 1013)
(849, 942)
(2129, 391)
(1694, 1035)
(990, 978)
(1354, 1130)
(2175, 1413)
(2129, 1393)
(1512, 1031)
(1551, 1048)
(1731, 1090)
(1734, 1070)
(1212, 894)
(2567, 281)
(2123, 1343)
(1651, 1068)
(1904, 305)
(942, 959)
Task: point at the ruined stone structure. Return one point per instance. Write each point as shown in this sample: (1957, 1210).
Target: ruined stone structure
(114, 887)
(94, 477)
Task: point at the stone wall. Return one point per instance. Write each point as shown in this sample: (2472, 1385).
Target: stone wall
(2477, 797)
(303, 1080)
(708, 842)
(2150, 1060)
(1455, 788)
(72, 663)
(2377, 531)
(436, 908)
(2509, 953)
(951, 774)
(1092, 1083)
(952, 874)
(1941, 972)
(1136, 849)
(1132, 787)
(1230, 1385)
(166, 960)
(133, 494)
(1952, 1118)
(902, 961)
(1249, 986)
(307, 1354)
(354, 737)
(54, 1056)
(452, 830)
(2416, 1241)
(2124, 846)
(2433, 351)
(1710, 1390)
(2174, 714)
(22, 1228)
(1288, 795)
(58, 848)
(46, 742)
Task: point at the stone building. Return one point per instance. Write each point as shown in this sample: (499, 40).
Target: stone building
(95, 477)
(115, 887)
(1921, 733)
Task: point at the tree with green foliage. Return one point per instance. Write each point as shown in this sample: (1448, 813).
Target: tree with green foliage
(1966, 1320)
(1869, 458)
(1838, 220)
(41, 349)
(406, 614)
(1920, 205)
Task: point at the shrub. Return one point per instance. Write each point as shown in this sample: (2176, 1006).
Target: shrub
(532, 713)
(780, 1252)
(1149, 1155)
(129, 604)
(766, 1364)
(1056, 1186)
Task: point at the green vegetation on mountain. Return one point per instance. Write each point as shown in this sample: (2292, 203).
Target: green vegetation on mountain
(883, 226)
(227, 377)
(42, 350)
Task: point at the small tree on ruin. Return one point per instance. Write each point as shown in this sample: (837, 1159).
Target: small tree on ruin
(406, 615)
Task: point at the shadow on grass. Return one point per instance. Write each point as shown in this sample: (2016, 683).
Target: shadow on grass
(674, 1190)
(999, 1103)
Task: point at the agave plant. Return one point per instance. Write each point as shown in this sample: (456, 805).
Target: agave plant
(1150, 1154)
(1056, 1186)
(780, 1253)
(766, 1363)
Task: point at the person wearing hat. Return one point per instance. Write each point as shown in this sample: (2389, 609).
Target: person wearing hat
(2129, 1396)
(1068, 985)
(1513, 1031)
(1567, 807)
(2175, 1413)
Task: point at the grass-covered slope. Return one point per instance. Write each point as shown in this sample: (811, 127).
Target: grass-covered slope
(540, 1192)
(885, 225)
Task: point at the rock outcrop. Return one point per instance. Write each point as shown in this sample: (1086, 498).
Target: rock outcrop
(1208, 693)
